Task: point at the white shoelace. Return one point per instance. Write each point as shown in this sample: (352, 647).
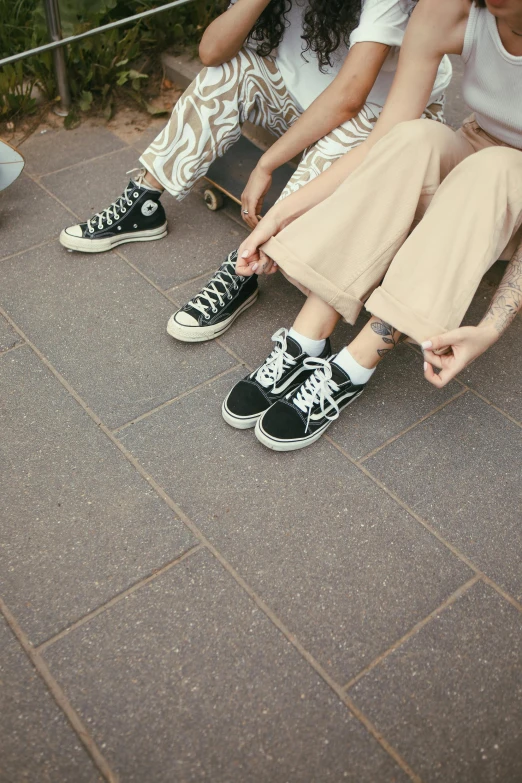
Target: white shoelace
(208, 295)
(279, 360)
(316, 390)
(120, 205)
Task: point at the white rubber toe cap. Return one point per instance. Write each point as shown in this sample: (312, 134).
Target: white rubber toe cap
(73, 231)
(183, 319)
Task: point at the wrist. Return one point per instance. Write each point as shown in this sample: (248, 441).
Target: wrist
(490, 329)
(265, 164)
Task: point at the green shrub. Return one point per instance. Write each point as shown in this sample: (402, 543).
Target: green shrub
(100, 66)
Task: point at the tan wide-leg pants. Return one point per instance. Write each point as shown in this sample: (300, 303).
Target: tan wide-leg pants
(464, 187)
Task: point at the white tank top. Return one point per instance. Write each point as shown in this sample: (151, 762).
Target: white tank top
(492, 83)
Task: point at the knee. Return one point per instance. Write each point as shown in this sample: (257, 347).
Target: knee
(214, 74)
(492, 163)
(422, 132)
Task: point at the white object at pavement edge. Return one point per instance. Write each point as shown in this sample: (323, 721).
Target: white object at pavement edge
(11, 164)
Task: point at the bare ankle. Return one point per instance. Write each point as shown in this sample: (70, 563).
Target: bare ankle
(152, 182)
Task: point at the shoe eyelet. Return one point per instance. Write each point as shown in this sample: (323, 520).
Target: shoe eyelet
(214, 309)
(229, 297)
(109, 222)
(135, 225)
(123, 210)
(135, 194)
(91, 231)
(207, 317)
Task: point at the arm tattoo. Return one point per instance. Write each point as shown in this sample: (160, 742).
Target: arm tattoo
(388, 335)
(507, 299)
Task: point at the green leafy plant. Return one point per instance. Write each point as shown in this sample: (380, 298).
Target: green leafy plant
(99, 67)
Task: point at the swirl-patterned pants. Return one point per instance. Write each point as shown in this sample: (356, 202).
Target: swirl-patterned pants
(207, 120)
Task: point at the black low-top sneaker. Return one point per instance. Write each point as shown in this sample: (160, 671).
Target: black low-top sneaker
(215, 308)
(284, 370)
(136, 216)
(303, 415)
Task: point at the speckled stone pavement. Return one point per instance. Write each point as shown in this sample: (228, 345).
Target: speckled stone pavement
(180, 604)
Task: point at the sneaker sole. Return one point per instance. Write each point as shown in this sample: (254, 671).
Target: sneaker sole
(293, 445)
(199, 334)
(102, 245)
(240, 423)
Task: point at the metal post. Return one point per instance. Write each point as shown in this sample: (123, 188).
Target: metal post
(52, 13)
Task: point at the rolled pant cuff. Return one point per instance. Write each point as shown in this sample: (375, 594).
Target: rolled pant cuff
(383, 305)
(347, 306)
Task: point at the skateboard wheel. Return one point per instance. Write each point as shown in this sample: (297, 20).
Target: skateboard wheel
(213, 199)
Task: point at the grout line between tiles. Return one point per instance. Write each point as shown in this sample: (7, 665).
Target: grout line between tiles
(12, 348)
(492, 405)
(202, 276)
(27, 249)
(125, 146)
(175, 399)
(52, 195)
(165, 294)
(315, 665)
(460, 555)
(59, 696)
(411, 427)
(462, 590)
(477, 394)
(117, 598)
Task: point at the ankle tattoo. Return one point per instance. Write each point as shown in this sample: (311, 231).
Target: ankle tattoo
(388, 335)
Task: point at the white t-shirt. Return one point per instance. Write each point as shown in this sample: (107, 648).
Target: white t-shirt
(381, 21)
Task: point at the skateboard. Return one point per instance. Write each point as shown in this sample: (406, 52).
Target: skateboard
(11, 164)
(228, 176)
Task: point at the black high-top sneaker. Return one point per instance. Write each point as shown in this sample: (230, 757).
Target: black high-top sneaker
(282, 371)
(136, 216)
(216, 307)
(303, 415)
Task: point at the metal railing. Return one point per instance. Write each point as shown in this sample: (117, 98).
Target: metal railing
(52, 14)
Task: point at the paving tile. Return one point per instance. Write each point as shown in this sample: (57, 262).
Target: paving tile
(79, 524)
(396, 398)
(460, 470)
(8, 337)
(450, 699)
(38, 744)
(25, 198)
(208, 689)
(56, 149)
(346, 568)
(103, 328)
(93, 185)
(198, 241)
(278, 305)
(144, 138)
(497, 374)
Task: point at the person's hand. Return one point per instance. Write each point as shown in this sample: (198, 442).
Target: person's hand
(250, 258)
(257, 187)
(460, 347)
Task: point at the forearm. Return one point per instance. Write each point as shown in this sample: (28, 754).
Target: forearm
(225, 36)
(325, 114)
(507, 300)
(342, 100)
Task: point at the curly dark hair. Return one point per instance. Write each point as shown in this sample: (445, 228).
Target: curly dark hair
(326, 25)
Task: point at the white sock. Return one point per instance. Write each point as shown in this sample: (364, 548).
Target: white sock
(358, 374)
(309, 346)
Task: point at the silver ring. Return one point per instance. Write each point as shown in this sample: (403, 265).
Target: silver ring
(245, 212)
